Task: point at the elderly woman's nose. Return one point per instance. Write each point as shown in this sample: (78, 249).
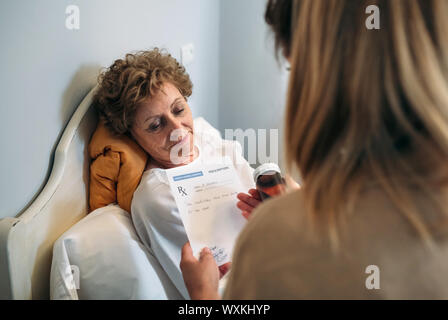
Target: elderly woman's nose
(175, 124)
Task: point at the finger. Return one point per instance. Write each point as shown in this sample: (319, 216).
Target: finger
(187, 253)
(242, 195)
(244, 206)
(228, 265)
(249, 200)
(255, 193)
(204, 251)
(246, 214)
(206, 256)
(223, 269)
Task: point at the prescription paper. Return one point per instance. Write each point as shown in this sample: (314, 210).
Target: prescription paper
(206, 197)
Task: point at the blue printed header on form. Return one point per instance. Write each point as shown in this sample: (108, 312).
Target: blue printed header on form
(188, 176)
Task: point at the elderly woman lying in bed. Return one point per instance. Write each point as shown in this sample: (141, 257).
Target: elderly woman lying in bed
(144, 96)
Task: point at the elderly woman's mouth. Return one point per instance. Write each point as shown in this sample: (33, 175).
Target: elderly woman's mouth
(184, 141)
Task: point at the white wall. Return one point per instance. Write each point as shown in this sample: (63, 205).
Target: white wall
(46, 70)
(252, 83)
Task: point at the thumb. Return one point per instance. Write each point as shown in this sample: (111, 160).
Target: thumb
(187, 253)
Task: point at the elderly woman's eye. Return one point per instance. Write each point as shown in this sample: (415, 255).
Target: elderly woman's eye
(154, 127)
(179, 111)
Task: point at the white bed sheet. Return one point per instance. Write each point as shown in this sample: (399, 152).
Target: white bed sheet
(109, 260)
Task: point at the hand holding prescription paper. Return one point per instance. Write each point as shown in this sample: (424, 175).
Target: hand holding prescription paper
(206, 197)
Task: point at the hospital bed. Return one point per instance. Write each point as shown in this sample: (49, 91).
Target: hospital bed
(26, 241)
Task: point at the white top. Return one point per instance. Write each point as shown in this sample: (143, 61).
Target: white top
(154, 210)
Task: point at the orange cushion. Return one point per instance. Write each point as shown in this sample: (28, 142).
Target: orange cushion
(117, 165)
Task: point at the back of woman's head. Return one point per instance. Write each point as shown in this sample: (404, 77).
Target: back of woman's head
(368, 104)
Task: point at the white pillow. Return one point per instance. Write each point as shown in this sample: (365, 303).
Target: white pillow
(104, 252)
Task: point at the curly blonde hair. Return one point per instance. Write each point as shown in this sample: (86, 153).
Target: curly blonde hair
(130, 81)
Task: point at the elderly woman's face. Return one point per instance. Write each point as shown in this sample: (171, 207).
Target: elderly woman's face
(162, 122)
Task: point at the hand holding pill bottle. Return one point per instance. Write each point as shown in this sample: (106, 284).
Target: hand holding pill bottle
(269, 181)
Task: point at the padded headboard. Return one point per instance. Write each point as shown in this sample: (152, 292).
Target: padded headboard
(26, 241)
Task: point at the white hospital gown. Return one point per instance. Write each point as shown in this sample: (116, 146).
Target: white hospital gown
(154, 211)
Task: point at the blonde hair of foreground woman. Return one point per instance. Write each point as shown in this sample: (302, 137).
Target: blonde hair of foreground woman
(369, 105)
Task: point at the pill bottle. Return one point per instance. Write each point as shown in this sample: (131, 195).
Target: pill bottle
(269, 181)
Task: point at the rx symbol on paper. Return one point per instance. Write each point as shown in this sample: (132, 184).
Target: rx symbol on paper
(182, 191)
